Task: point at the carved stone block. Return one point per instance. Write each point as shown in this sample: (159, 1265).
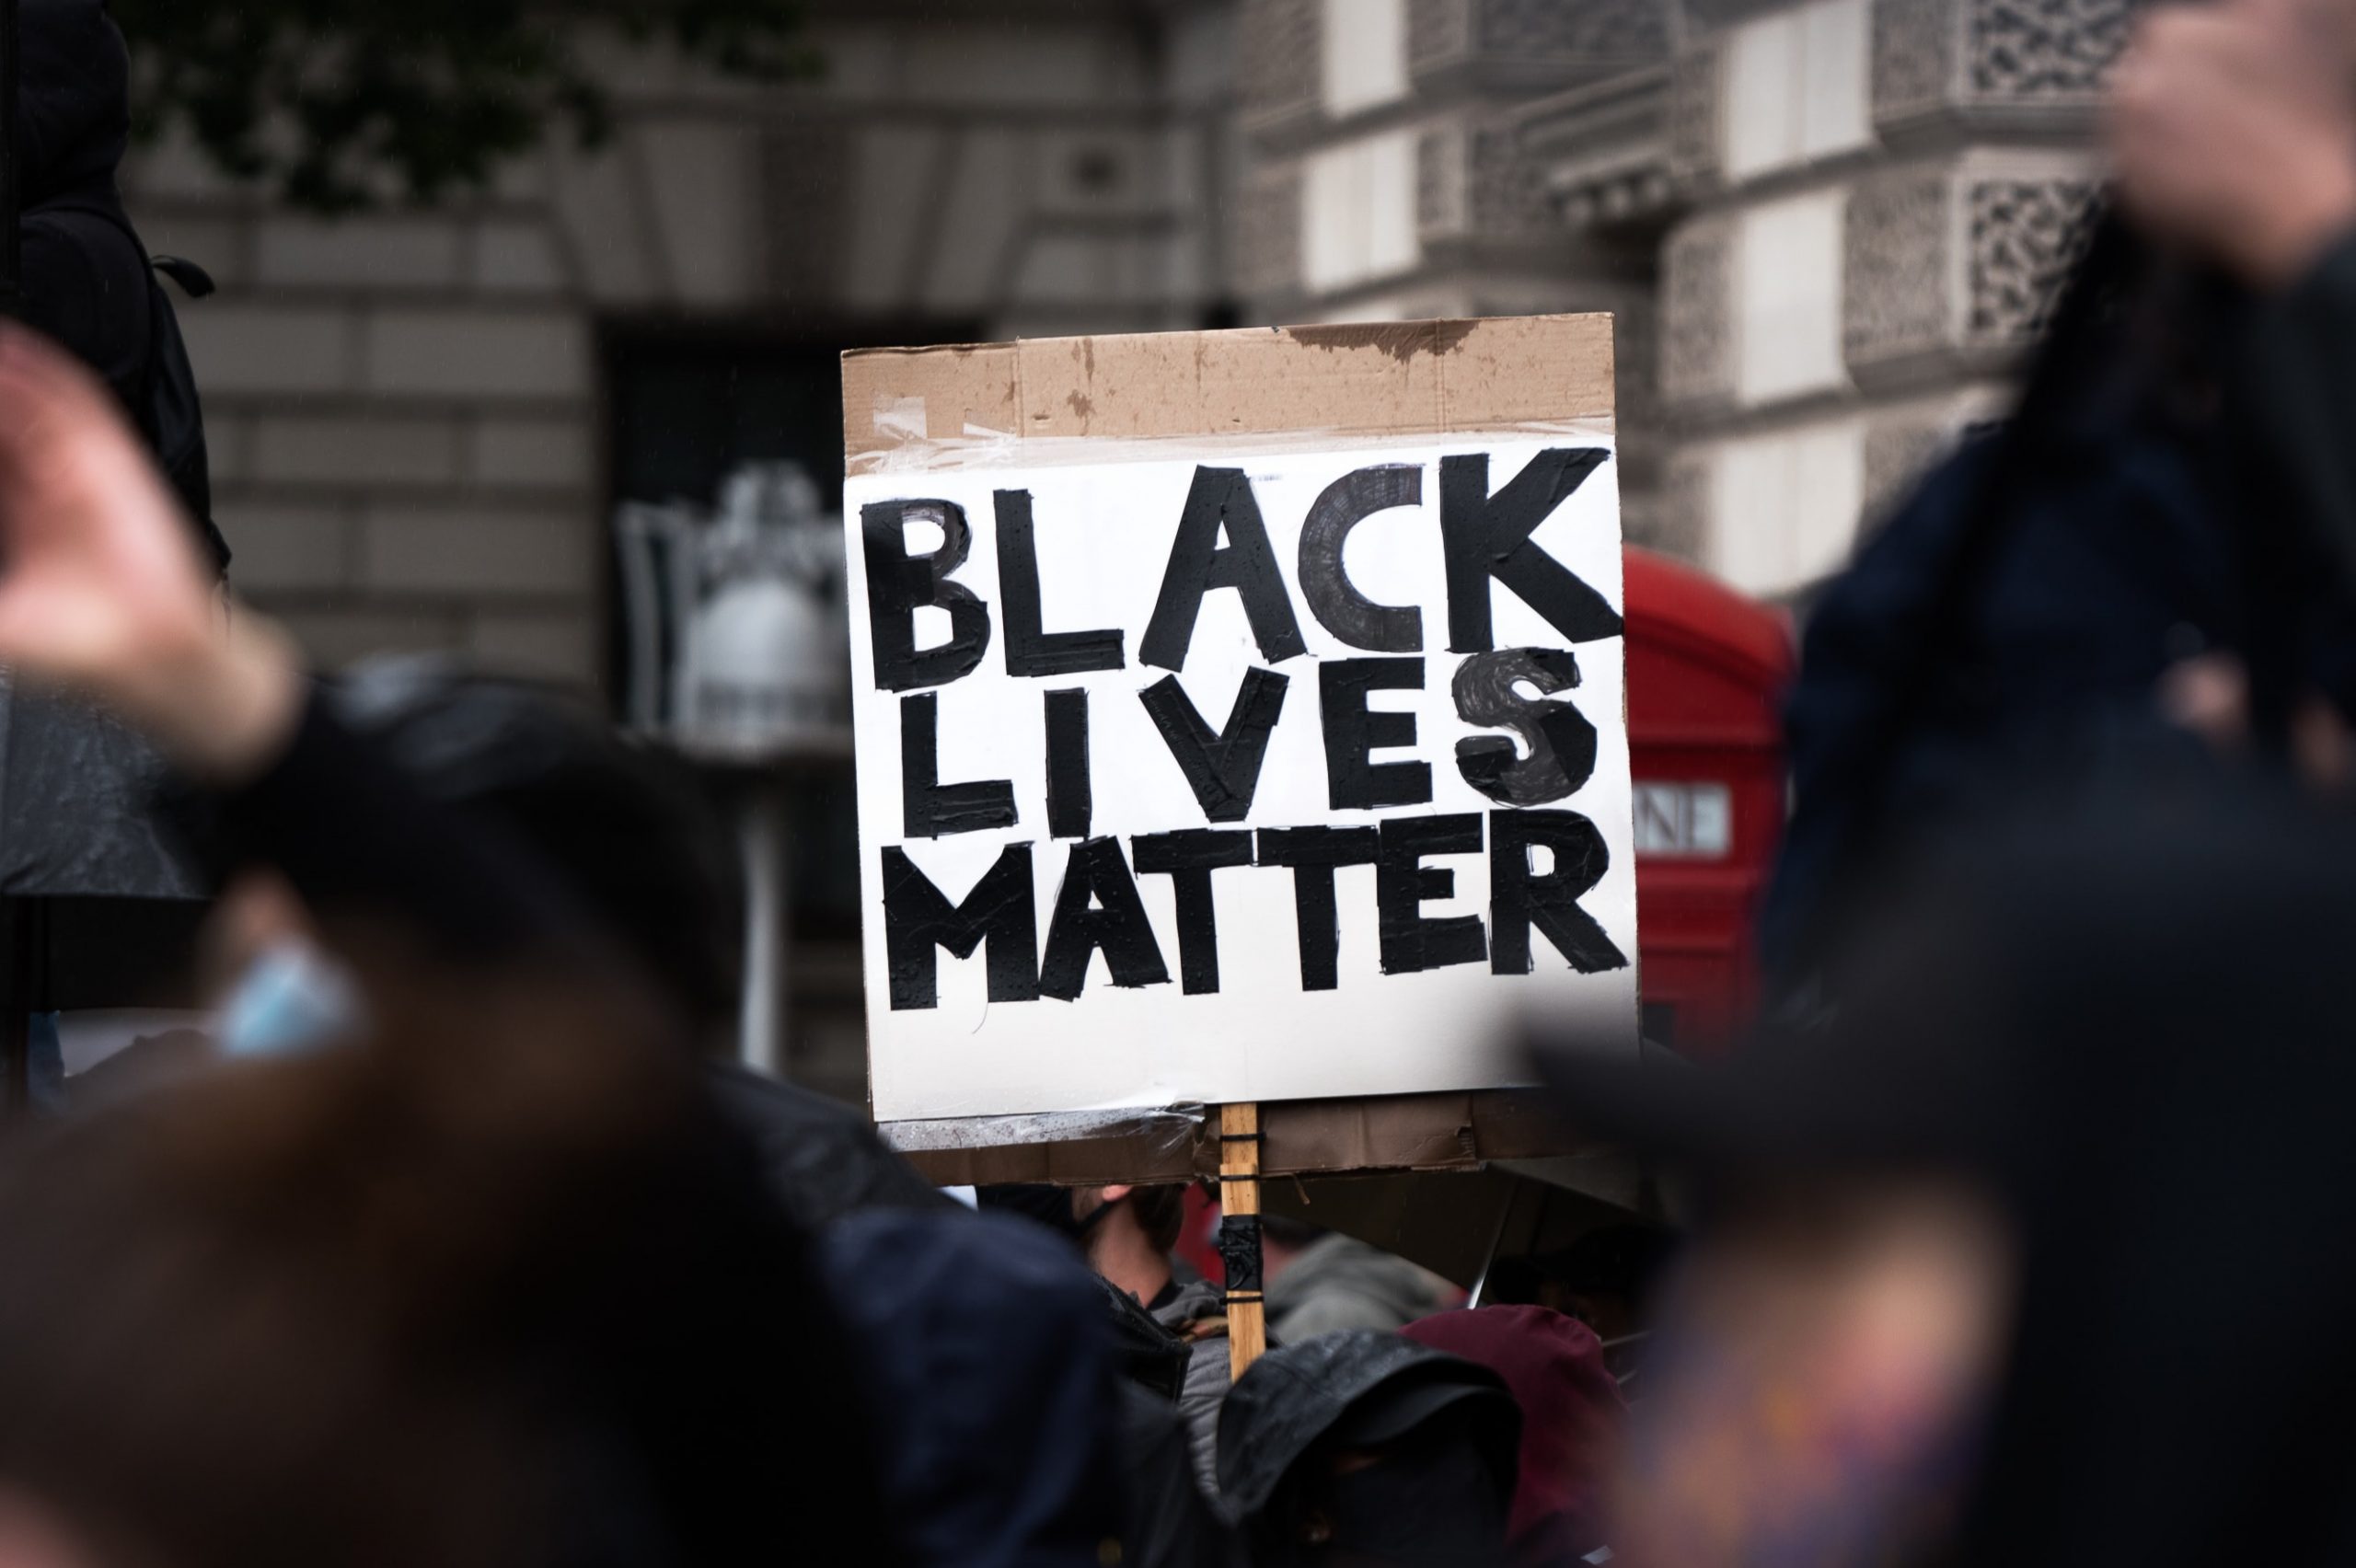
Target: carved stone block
(1508, 187)
(1696, 325)
(2044, 49)
(1896, 296)
(1588, 29)
(1443, 186)
(2024, 235)
(1696, 87)
(1280, 50)
(1267, 236)
(1915, 44)
(1438, 32)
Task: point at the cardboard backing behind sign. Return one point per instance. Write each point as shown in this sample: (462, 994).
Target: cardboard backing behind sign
(1011, 405)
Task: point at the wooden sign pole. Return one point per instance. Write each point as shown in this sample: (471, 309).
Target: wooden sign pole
(1239, 1234)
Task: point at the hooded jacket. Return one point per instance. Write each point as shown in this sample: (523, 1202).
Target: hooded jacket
(86, 279)
(1571, 1416)
(86, 276)
(1339, 1281)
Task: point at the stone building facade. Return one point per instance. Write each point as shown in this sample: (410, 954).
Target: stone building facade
(417, 417)
(1829, 227)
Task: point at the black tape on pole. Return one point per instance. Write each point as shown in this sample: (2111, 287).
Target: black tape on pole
(930, 809)
(1222, 768)
(1239, 1254)
(1560, 741)
(919, 918)
(1485, 537)
(1071, 800)
(1098, 908)
(899, 584)
(1325, 582)
(1353, 780)
(1029, 650)
(1520, 899)
(1221, 500)
(1411, 942)
(1188, 857)
(1315, 853)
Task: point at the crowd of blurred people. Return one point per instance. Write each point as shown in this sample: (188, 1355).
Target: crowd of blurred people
(2015, 1236)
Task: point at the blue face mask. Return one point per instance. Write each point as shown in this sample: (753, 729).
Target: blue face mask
(291, 1002)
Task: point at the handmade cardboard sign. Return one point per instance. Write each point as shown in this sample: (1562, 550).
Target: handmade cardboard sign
(1236, 766)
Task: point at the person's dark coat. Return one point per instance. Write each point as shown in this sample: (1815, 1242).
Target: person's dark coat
(86, 279)
(999, 1393)
(1299, 1405)
(2106, 576)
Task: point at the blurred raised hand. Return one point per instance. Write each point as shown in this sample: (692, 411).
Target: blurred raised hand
(101, 589)
(2232, 131)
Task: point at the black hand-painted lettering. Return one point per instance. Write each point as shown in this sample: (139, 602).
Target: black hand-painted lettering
(1071, 797)
(1561, 742)
(918, 919)
(1029, 650)
(899, 584)
(1188, 859)
(1353, 731)
(1098, 907)
(1411, 942)
(1313, 853)
(1223, 770)
(1220, 499)
(1485, 536)
(1325, 582)
(930, 809)
(1520, 899)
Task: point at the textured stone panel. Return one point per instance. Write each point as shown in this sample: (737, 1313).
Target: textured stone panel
(1913, 56)
(2024, 236)
(1586, 30)
(1437, 31)
(1509, 199)
(1443, 190)
(1697, 87)
(1896, 250)
(1280, 55)
(2043, 49)
(1267, 233)
(1696, 326)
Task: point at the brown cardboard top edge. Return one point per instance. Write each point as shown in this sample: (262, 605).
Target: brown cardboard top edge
(1411, 378)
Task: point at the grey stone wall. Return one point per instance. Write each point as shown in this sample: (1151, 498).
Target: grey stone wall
(406, 407)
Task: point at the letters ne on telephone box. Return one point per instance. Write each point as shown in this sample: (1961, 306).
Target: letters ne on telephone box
(1706, 668)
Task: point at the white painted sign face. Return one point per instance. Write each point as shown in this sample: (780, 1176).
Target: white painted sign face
(1275, 777)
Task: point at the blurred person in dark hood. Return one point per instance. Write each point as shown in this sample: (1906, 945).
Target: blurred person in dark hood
(87, 282)
(1319, 1282)
(1365, 1450)
(2160, 545)
(661, 1362)
(1572, 1417)
(639, 847)
(1128, 1234)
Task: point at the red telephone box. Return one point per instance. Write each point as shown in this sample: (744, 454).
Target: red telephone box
(1705, 670)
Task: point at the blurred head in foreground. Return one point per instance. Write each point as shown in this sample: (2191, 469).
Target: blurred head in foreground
(477, 1295)
(629, 838)
(2042, 1247)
